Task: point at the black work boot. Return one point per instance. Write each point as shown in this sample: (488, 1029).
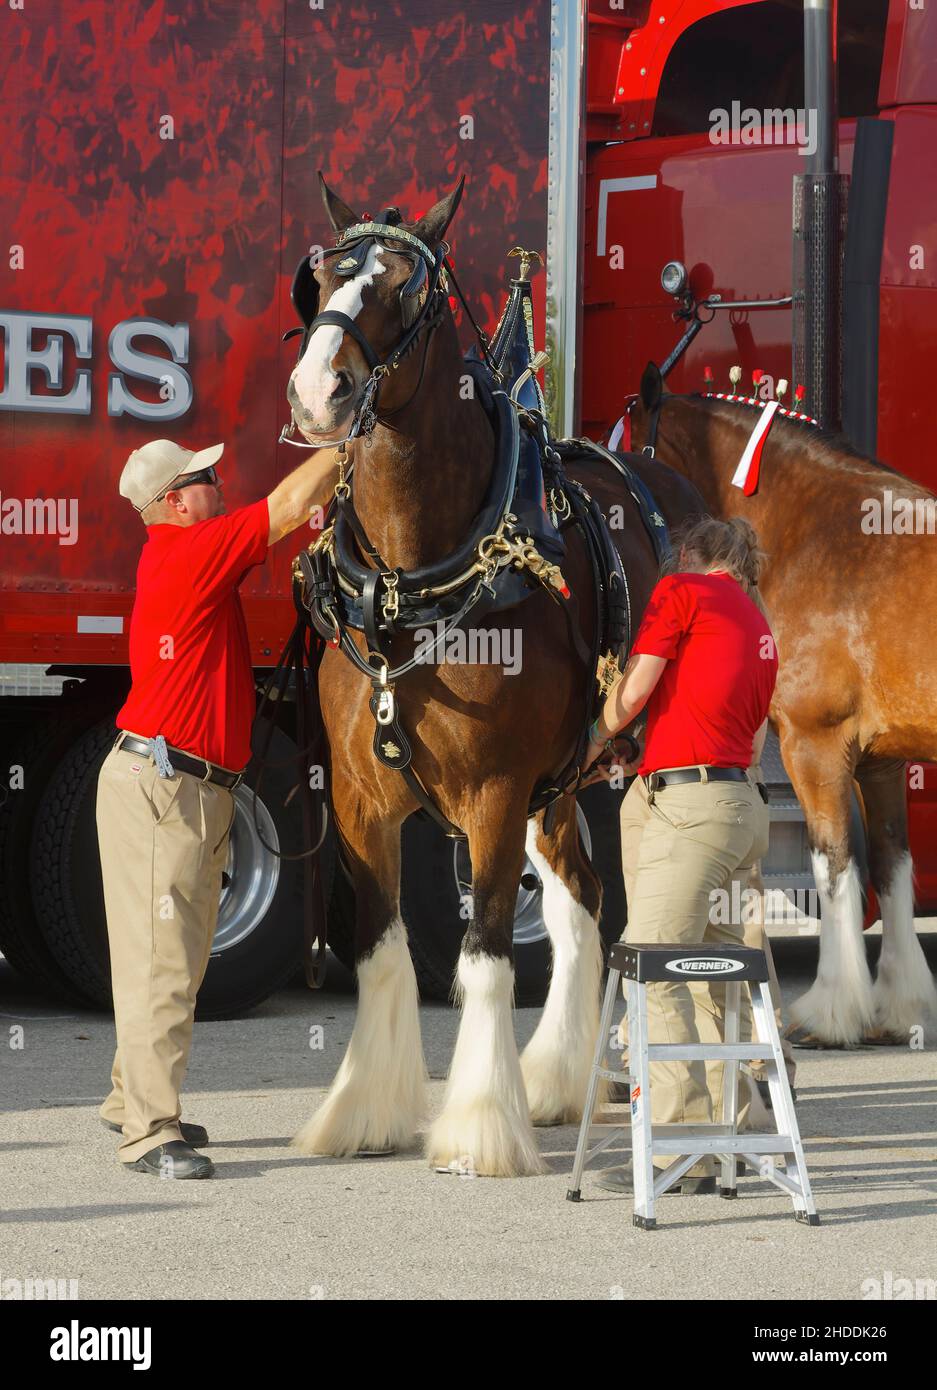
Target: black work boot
(173, 1160)
(192, 1134)
(621, 1179)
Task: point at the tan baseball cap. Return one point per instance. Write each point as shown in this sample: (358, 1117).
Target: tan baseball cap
(149, 470)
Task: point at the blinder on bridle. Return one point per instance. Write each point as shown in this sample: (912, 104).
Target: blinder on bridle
(352, 248)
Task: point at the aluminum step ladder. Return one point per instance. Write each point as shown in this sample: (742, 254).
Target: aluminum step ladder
(729, 965)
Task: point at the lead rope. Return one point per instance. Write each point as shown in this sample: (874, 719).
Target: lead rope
(479, 334)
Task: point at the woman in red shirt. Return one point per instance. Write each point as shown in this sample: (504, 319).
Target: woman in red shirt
(703, 665)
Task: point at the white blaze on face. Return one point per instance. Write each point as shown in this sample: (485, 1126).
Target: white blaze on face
(313, 376)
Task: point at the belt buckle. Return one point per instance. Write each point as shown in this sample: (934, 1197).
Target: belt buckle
(653, 781)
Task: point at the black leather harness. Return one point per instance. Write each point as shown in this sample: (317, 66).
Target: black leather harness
(514, 547)
(343, 593)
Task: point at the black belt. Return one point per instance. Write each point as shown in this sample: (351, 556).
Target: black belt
(656, 780)
(183, 762)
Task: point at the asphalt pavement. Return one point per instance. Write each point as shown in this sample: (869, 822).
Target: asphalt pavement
(275, 1224)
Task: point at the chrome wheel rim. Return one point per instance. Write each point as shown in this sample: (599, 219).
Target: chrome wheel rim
(254, 873)
(529, 926)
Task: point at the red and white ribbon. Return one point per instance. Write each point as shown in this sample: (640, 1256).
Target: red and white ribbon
(746, 475)
(622, 427)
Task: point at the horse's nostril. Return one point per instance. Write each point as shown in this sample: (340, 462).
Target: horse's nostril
(343, 387)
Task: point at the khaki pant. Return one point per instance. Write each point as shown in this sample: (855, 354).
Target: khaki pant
(687, 851)
(163, 844)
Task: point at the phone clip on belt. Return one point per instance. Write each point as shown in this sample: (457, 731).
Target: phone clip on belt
(161, 757)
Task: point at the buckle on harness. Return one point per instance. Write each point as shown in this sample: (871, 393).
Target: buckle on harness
(384, 713)
(391, 604)
(559, 505)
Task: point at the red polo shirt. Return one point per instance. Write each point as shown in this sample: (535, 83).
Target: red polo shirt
(190, 663)
(714, 693)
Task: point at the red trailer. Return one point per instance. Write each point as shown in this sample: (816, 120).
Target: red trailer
(157, 189)
(157, 175)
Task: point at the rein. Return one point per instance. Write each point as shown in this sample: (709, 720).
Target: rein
(297, 661)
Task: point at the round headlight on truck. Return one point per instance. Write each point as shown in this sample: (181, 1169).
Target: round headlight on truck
(673, 278)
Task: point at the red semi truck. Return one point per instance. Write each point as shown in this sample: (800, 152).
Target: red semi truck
(157, 173)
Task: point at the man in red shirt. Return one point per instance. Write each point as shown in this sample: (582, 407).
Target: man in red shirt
(704, 665)
(166, 790)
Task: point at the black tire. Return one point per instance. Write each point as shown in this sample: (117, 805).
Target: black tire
(341, 914)
(432, 908)
(245, 972)
(602, 806)
(37, 746)
(65, 870)
(248, 963)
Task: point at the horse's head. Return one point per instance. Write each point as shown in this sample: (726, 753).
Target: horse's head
(379, 293)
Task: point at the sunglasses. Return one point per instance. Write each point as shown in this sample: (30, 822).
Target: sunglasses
(206, 475)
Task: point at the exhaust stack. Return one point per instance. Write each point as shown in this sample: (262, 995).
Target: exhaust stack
(819, 228)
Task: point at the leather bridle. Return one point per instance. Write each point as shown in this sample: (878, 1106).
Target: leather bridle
(422, 299)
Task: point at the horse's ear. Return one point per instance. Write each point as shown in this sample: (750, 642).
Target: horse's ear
(339, 214)
(431, 227)
(652, 386)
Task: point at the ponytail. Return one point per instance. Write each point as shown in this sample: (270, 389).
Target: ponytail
(705, 543)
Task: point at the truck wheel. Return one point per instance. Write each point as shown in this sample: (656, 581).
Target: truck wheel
(341, 913)
(36, 748)
(258, 940)
(436, 877)
(258, 943)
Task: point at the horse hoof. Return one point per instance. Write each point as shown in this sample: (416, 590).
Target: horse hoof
(802, 1037)
(463, 1167)
(331, 1134)
(486, 1138)
(883, 1037)
(551, 1102)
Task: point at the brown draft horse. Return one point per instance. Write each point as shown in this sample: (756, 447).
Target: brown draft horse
(481, 740)
(852, 614)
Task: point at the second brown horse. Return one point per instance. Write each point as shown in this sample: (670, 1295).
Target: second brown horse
(851, 598)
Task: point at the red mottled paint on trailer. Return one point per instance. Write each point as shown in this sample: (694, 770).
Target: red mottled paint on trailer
(206, 229)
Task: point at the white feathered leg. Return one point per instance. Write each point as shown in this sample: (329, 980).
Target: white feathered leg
(838, 1006)
(903, 996)
(377, 1099)
(485, 1124)
(557, 1060)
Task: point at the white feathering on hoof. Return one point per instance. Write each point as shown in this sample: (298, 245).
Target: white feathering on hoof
(557, 1060)
(485, 1125)
(837, 1008)
(903, 995)
(377, 1099)
(759, 1118)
